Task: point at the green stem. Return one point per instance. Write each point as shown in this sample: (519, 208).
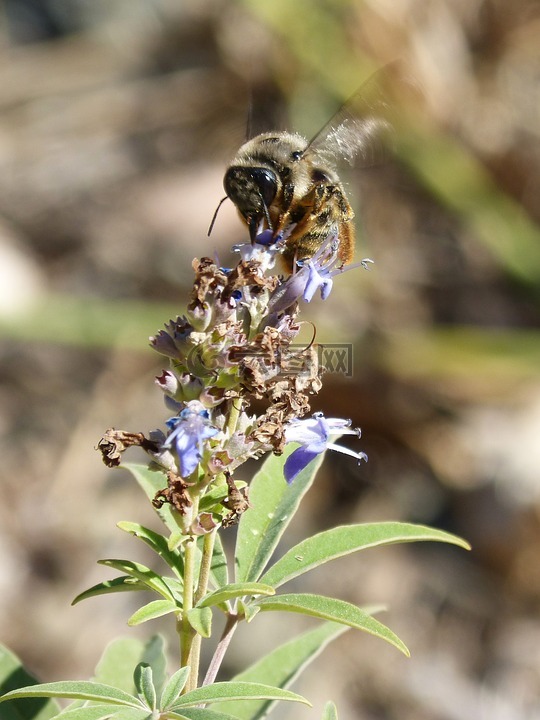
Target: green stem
(186, 632)
(234, 414)
(206, 564)
(202, 587)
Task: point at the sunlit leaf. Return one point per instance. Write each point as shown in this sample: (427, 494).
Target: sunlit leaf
(13, 676)
(132, 714)
(77, 689)
(151, 481)
(273, 505)
(219, 574)
(174, 687)
(152, 610)
(151, 579)
(154, 654)
(331, 609)
(219, 692)
(89, 712)
(347, 539)
(144, 684)
(199, 714)
(281, 667)
(229, 592)
(157, 542)
(200, 619)
(126, 583)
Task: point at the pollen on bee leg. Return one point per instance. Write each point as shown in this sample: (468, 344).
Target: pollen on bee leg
(346, 242)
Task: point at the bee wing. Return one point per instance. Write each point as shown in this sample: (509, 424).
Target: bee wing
(361, 131)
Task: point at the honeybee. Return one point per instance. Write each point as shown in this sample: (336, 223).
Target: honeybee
(283, 182)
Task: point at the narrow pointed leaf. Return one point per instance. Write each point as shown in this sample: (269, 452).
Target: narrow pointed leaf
(331, 609)
(199, 714)
(77, 689)
(248, 610)
(132, 714)
(150, 481)
(174, 687)
(219, 574)
(157, 542)
(151, 579)
(347, 539)
(281, 667)
(152, 610)
(89, 712)
(154, 655)
(329, 712)
(14, 676)
(273, 505)
(145, 685)
(125, 583)
(200, 620)
(229, 592)
(219, 692)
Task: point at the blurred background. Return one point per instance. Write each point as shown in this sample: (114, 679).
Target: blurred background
(117, 120)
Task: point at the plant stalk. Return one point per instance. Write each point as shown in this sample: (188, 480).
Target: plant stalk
(186, 632)
(221, 649)
(202, 587)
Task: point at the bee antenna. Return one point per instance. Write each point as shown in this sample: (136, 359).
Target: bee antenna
(215, 215)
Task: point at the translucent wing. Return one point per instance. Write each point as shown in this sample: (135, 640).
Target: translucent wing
(361, 131)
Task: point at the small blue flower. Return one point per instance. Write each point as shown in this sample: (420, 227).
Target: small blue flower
(313, 435)
(190, 428)
(316, 273)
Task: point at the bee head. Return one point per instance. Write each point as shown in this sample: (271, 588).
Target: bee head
(252, 190)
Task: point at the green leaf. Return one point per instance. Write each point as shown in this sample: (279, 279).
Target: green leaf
(215, 495)
(273, 505)
(219, 574)
(152, 580)
(347, 539)
(201, 714)
(152, 610)
(89, 712)
(331, 609)
(281, 667)
(144, 685)
(229, 592)
(126, 583)
(158, 543)
(247, 610)
(329, 712)
(152, 480)
(200, 620)
(13, 676)
(219, 692)
(117, 663)
(132, 714)
(174, 687)
(154, 655)
(77, 689)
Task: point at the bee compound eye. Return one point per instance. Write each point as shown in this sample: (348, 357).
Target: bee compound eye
(266, 182)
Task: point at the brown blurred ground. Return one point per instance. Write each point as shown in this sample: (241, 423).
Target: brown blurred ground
(116, 122)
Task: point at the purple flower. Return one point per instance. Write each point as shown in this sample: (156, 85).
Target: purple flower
(313, 435)
(316, 273)
(189, 429)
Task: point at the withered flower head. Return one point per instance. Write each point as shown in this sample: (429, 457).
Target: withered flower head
(234, 346)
